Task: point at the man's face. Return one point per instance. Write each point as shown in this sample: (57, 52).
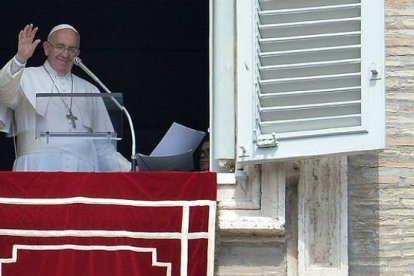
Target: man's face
(61, 49)
(205, 156)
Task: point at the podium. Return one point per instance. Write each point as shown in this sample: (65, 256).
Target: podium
(79, 115)
(117, 224)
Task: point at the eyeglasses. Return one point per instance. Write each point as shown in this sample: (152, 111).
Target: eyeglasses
(60, 48)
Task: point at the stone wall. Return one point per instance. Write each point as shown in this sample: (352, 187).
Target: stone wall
(381, 185)
(251, 255)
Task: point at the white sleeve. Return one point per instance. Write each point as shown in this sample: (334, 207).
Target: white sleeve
(6, 120)
(10, 84)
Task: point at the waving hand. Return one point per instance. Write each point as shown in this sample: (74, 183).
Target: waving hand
(26, 43)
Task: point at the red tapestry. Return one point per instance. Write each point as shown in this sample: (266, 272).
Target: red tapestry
(115, 224)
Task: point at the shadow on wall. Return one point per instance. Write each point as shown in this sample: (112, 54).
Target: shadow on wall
(363, 215)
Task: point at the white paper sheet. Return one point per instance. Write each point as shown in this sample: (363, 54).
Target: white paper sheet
(174, 152)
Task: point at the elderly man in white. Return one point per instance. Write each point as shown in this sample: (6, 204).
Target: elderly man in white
(18, 88)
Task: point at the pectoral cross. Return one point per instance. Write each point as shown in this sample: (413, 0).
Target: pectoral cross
(72, 118)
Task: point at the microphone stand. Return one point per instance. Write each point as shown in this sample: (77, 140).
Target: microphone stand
(77, 61)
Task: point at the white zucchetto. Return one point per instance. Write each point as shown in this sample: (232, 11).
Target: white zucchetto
(61, 27)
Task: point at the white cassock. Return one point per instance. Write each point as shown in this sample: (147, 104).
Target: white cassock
(18, 93)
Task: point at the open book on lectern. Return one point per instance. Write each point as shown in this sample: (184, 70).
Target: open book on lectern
(174, 152)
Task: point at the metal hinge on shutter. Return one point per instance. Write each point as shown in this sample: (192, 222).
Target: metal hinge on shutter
(266, 140)
(262, 140)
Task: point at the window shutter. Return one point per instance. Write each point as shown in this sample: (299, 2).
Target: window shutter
(310, 78)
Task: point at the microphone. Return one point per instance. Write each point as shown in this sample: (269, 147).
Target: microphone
(78, 62)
